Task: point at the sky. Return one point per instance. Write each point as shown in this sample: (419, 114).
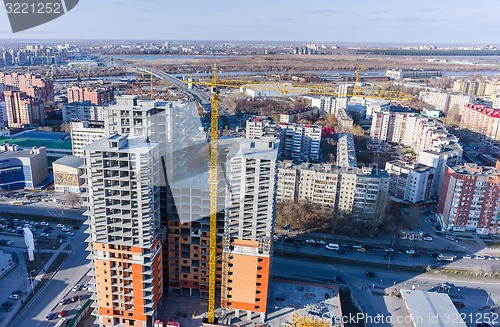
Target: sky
(327, 21)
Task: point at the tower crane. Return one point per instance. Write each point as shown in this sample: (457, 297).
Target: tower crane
(214, 184)
(356, 90)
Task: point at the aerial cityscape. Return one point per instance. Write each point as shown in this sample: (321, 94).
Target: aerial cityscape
(255, 164)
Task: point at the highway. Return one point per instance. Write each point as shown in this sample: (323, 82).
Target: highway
(201, 96)
(46, 299)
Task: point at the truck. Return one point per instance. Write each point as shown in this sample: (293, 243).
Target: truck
(446, 257)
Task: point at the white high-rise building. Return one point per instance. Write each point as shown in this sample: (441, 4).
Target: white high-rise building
(125, 239)
(84, 133)
(410, 182)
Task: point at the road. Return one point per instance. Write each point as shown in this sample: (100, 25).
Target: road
(46, 209)
(202, 97)
(47, 299)
(473, 292)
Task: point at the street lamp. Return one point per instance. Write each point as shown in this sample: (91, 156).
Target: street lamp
(31, 280)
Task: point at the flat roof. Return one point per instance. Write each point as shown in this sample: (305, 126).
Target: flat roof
(430, 309)
(38, 142)
(17, 154)
(70, 161)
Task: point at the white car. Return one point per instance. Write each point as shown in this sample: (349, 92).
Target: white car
(43, 223)
(14, 296)
(65, 229)
(77, 287)
(60, 226)
(444, 286)
(480, 257)
(467, 256)
(389, 250)
(311, 241)
(427, 238)
(322, 242)
(44, 235)
(70, 233)
(410, 252)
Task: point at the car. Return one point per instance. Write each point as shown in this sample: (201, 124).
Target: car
(357, 246)
(9, 242)
(84, 287)
(70, 234)
(65, 229)
(44, 235)
(43, 223)
(7, 304)
(75, 298)
(450, 237)
(62, 313)
(480, 257)
(63, 301)
(467, 256)
(370, 274)
(5, 309)
(410, 251)
(444, 286)
(427, 238)
(459, 305)
(76, 227)
(311, 241)
(14, 296)
(76, 287)
(415, 255)
(390, 250)
(60, 226)
(3, 242)
(340, 280)
(362, 250)
(321, 242)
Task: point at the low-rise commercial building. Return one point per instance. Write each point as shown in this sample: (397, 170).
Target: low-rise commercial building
(22, 168)
(68, 173)
(400, 74)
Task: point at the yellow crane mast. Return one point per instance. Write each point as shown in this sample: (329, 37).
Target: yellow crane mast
(214, 184)
(357, 89)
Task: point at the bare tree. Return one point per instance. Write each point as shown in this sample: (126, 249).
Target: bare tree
(73, 199)
(453, 116)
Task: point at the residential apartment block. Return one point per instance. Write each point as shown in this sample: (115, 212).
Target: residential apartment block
(422, 134)
(470, 198)
(447, 155)
(410, 181)
(97, 96)
(389, 124)
(444, 101)
(84, 133)
(294, 115)
(33, 85)
(361, 192)
(23, 110)
(82, 111)
(125, 239)
(346, 153)
(249, 225)
(299, 142)
(482, 120)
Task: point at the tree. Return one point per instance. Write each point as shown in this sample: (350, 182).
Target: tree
(72, 199)
(453, 116)
(65, 127)
(357, 130)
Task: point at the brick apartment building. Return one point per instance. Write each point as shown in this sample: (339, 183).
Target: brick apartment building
(23, 110)
(470, 198)
(482, 120)
(96, 96)
(33, 85)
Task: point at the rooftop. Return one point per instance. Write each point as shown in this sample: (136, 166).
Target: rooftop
(495, 113)
(70, 161)
(133, 145)
(17, 154)
(28, 142)
(473, 169)
(416, 167)
(429, 309)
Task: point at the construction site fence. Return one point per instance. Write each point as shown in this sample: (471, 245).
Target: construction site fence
(80, 314)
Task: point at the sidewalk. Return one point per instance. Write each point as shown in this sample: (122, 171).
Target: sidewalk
(36, 279)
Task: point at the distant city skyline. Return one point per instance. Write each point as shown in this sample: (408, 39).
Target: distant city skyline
(322, 21)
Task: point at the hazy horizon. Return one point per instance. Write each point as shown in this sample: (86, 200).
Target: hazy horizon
(363, 21)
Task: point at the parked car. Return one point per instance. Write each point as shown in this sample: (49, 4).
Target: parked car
(75, 298)
(65, 229)
(76, 287)
(63, 301)
(427, 238)
(480, 257)
(370, 274)
(459, 304)
(44, 235)
(391, 250)
(60, 226)
(340, 280)
(7, 304)
(467, 256)
(450, 237)
(410, 252)
(62, 313)
(14, 296)
(50, 316)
